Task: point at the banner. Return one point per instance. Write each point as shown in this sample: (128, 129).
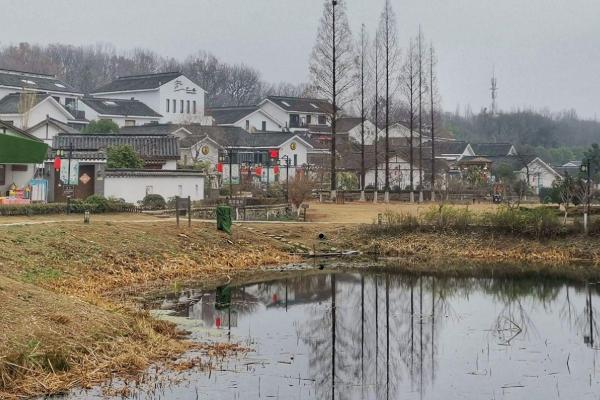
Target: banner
(71, 178)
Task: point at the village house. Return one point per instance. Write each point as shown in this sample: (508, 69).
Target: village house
(298, 114)
(25, 110)
(87, 155)
(538, 174)
(50, 127)
(250, 118)
(170, 94)
(121, 112)
(494, 149)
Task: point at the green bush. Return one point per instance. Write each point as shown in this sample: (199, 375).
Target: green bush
(99, 202)
(541, 222)
(446, 217)
(154, 202)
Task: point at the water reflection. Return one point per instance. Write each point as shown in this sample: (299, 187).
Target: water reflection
(387, 336)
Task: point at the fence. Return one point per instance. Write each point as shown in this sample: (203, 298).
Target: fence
(244, 212)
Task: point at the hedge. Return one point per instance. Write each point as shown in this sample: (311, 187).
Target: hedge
(94, 204)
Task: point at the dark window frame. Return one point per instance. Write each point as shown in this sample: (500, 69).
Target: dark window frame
(2, 174)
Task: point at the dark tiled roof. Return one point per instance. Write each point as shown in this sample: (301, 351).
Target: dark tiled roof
(62, 127)
(138, 82)
(149, 129)
(491, 149)
(451, 147)
(303, 105)
(10, 104)
(148, 147)
(36, 82)
(230, 115)
(121, 173)
(229, 136)
(120, 107)
(347, 123)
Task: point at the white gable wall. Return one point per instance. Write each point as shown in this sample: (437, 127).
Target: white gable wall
(355, 133)
(37, 114)
(255, 121)
(133, 189)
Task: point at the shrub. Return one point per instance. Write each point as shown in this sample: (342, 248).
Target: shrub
(99, 202)
(154, 202)
(446, 217)
(541, 222)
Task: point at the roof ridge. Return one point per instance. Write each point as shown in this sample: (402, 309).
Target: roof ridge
(148, 75)
(18, 72)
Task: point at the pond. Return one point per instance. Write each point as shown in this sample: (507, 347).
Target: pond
(367, 335)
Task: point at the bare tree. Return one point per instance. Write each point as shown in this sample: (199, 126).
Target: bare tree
(331, 67)
(377, 73)
(362, 69)
(433, 103)
(409, 78)
(27, 100)
(422, 91)
(389, 36)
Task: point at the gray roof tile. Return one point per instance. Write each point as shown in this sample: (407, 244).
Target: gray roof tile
(138, 82)
(120, 107)
(36, 82)
(304, 105)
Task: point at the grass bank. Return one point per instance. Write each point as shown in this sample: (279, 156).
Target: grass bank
(69, 316)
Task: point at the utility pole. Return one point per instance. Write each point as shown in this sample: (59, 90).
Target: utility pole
(586, 167)
(334, 111)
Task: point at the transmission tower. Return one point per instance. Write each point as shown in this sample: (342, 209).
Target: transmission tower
(494, 90)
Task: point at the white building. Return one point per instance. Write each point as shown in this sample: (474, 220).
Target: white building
(50, 127)
(171, 94)
(122, 112)
(24, 110)
(250, 118)
(298, 114)
(400, 131)
(19, 82)
(540, 174)
(352, 126)
(399, 174)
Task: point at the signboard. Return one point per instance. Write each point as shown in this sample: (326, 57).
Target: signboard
(72, 177)
(68, 190)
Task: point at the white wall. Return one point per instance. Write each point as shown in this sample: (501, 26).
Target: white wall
(46, 135)
(177, 89)
(256, 120)
(20, 178)
(37, 115)
(355, 133)
(539, 176)
(399, 174)
(133, 189)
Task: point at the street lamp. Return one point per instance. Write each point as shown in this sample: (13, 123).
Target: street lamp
(287, 176)
(586, 168)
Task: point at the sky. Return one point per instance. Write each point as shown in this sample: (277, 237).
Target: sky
(545, 53)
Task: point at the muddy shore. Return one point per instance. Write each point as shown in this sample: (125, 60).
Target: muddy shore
(71, 292)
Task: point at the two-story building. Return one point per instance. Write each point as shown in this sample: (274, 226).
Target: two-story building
(122, 112)
(250, 118)
(171, 94)
(298, 114)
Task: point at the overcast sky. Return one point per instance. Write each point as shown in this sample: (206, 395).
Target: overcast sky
(546, 52)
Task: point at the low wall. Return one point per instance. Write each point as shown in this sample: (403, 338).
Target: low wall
(245, 213)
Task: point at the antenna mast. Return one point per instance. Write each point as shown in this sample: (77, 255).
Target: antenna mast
(494, 90)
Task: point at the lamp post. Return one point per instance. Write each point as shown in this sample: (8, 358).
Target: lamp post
(287, 176)
(586, 168)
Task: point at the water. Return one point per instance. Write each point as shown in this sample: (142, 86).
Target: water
(381, 336)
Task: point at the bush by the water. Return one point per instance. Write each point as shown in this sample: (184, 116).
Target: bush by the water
(154, 202)
(540, 222)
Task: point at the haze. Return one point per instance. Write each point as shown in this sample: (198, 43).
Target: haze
(545, 52)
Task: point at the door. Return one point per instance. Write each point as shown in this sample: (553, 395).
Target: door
(84, 189)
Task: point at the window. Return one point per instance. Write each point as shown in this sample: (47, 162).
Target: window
(19, 168)
(314, 106)
(109, 103)
(248, 125)
(2, 174)
(308, 119)
(264, 126)
(194, 106)
(149, 190)
(57, 99)
(294, 121)
(130, 122)
(168, 105)
(180, 187)
(295, 160)
(174, 106)
(322, 120)
(70, 103)
(188, 106)
(285, 103)
(181, 104)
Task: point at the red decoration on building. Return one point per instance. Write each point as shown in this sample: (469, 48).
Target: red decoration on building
(57, 163)
(274, 153)
(258, 171)
(220, 168)
(276, 170)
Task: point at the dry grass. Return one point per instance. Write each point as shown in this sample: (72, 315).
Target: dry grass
(68, 294)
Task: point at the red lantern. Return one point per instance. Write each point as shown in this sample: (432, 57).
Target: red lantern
(274, 154)
(258, 171)
(220, 168)
(57, 162)
(276, 170)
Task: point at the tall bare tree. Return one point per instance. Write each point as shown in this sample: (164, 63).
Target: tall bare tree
(362, 68)
(377, 73)
(331, 67)
(422, 91)
(409, 78)
(389, 39)
(433, 104)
